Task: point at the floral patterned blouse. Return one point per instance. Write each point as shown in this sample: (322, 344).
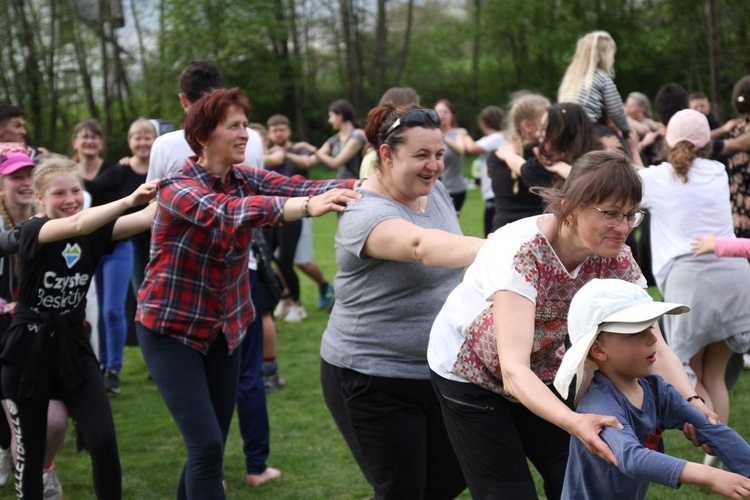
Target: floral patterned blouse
(537, 274)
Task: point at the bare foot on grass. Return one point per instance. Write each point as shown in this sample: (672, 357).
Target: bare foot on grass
(260, 479)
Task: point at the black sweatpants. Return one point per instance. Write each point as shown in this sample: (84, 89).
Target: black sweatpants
(493, 436)
(88, 405)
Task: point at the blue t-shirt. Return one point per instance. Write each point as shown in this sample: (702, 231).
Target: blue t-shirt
(638, 447)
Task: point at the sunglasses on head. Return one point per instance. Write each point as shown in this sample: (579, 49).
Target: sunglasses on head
(414, 118)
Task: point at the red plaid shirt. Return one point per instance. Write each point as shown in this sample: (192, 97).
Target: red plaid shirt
(196, 284)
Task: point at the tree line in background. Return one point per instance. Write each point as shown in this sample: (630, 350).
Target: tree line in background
(67, 60)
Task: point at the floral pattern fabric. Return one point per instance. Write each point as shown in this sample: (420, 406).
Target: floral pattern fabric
(537, 264)
(738, 170)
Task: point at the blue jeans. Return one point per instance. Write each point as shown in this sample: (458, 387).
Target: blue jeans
(112, 279)
(199, 392)
(251, 396)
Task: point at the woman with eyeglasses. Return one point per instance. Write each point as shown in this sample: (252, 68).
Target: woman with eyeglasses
(399, 251)
(497, 343)
(688, 196)
(112, 275)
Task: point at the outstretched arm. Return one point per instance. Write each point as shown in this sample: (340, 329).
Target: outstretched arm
(353, 145)
(514, 327)
(725, 483)
(334, 200)
(457, 143)
(128, 225)
(402, 241)
(10, 241)
(91, 219)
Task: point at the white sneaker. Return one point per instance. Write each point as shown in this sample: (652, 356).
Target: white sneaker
(6, 466)
(282, 308)
(52, 487)
(296, 314)
(746, 361)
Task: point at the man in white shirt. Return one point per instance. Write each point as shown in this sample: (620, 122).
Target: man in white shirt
(169, 152)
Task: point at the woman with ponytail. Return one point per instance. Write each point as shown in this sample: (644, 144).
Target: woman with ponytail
(689, 196)
(399, 251)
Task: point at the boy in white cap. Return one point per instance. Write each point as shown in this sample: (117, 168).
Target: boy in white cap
(610, 323)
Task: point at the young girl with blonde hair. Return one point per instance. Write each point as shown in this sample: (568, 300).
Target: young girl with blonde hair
(512, 198)
(46, 353)
(17, 205)
(589, 82)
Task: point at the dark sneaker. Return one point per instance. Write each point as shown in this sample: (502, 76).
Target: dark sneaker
(273, 381)
(112, 382)
(327, 296)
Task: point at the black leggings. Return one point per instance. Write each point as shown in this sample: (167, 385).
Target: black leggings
(88, 405)
(285, 239)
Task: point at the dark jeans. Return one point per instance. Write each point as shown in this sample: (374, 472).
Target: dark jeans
(88, 405)
(394, 429)
(252, 412)
(199, 391)
(493, 436)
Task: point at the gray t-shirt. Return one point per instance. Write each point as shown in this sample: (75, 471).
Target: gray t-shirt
(453, 175)
(381, 321)
(350, 169)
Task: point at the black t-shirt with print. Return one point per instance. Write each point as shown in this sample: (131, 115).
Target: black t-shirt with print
(56, 276)
(47, 337)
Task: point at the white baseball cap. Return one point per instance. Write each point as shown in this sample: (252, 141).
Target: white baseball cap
(609, 305)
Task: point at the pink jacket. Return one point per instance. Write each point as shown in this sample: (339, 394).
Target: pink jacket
(738, 247)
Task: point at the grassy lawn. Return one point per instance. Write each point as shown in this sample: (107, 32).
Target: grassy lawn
(305, 443)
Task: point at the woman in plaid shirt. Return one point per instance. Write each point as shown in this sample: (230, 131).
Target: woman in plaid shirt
(195, 300)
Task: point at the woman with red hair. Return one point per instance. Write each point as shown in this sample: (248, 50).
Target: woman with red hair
(194, 303)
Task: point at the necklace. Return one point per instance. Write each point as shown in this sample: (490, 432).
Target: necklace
(419, 200)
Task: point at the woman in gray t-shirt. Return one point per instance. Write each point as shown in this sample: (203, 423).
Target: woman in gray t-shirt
(399, 251)
(453, 139)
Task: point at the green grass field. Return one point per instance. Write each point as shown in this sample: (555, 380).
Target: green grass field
(305, 443)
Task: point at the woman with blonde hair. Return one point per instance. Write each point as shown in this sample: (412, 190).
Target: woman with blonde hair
(588, 81)
(512, 198)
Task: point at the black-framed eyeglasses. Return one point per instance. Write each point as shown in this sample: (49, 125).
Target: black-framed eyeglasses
(614, 217)
(414, 118)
